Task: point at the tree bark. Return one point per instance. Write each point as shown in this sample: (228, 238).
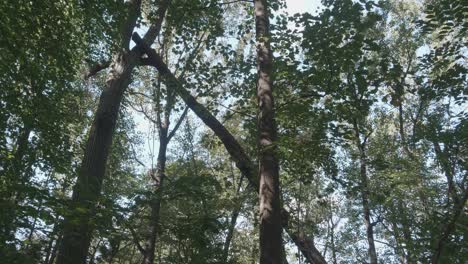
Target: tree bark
(78, 225)
(448, 228)
(235, 150)
(271, 246)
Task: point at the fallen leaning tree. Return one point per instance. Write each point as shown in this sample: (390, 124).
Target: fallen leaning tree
(242, 160)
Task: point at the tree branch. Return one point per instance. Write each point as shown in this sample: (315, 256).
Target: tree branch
(179, 122)
(235, 150)
(96, 68)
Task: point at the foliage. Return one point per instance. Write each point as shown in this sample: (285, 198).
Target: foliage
(379, 83)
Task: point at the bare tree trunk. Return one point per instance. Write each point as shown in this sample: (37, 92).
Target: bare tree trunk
(271, 247)
(156, 203)
(365, 193)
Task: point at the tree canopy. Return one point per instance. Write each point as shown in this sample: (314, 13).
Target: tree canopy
(232, 131)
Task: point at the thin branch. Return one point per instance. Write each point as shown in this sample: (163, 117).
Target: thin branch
(387, 244)
(179, 122)
(143, 112)
(238, 112)
(135, 156)
(141, 94)
(136, 240)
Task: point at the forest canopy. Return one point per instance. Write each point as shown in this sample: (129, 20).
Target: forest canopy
(233, 131)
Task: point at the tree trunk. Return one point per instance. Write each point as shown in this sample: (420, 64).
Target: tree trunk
(235, 150)
(51, 246)
(448, 228)
(53, 254)
(78, 225)
(271, 246)
(156, 203)
(232, 224)
(230, 234)
(365, 194)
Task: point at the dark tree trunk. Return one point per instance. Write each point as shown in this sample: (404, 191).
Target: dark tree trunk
(235, 150)
(271, 246)
(307, 247)
(366, 209)
(448, 227)
(230, 234)
(50, 246)
(53, 254)
(78, 224)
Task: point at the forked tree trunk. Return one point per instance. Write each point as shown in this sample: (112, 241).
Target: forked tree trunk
(78, 225)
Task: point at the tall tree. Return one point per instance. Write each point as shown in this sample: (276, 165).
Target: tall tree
(78, 224)
(271, 248)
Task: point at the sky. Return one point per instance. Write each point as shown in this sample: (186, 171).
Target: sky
(300, 6)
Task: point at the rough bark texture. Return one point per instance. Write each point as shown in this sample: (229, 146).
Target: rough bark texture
(271, 246)
(307, 247)
(235, 150)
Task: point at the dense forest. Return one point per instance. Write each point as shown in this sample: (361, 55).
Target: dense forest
(233, 131)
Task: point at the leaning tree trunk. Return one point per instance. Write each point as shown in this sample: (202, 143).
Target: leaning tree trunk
(78, 224)
(235, 150)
